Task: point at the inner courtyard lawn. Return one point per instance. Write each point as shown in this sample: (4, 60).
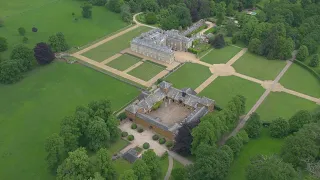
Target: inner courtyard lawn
(189, 75)
(114, 46)
(146, 71)
(264, 145)
(221, 56)
(301, 80)
(280, 104)
(258, 67)
(123, 62)
(56, 16)
(223, 89)
(31, 110)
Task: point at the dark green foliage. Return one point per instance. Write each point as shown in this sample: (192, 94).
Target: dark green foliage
(279, 128)
(98, 2)
(151, 18)
(25, 39)
(299, 119)
(253, 126)
(179, 174)
(155, 137)
(141, 169)
(243, 135)
(24, 56)
(146, 145)
(124, 134)
(134, 126)
(86, 10)
(70, 133)
(122, 116)
(140, 130)
(58, 42)
(270, 168)
(130, 138)
(169, 144)
(9, 72)
(314, 62)
(22, 31)
(235, 143)
(97, 134)
(171, 22)
(54, 148)
(149, 5)
(218, 41)
(115, 5)
(43, 53)
(254, 46)
(162, 140)
(125, 13)
(1, 22)
(3, 44)
(303, 53)
(128, 175)
(153, 163)
(103, 165)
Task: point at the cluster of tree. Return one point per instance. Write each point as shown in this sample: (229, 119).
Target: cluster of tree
(236, 142)
(214, 125)
(253, 126)
(93, 127)
(217, 41)
(58, 43)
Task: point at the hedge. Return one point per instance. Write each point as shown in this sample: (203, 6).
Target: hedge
(140, 130)
(162, 140)
(169, 144)
(130, 138)
(146, 145)
(155, 137)
(124, 134)
(134, 126)
(193, 51)
(307, 68)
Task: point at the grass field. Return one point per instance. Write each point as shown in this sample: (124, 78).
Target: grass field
(123, 62)
(117, 146)
(224, 88)
(263, 145)
(114, 46)
(301, 80)
(164, 163)
(52, 16)
(258, 66)
(189, 75)
(32, 109)
(221, 56)
(146, 71)
(279, 104)
(121, 165)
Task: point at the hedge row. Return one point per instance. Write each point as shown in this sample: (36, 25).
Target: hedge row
(317, 75)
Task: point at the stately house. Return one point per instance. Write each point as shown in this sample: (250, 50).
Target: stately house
(159, 44)
(166, 109)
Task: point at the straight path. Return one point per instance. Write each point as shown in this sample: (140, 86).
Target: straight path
(133, 66)
(156, 77)
(206, 83)
(301, 95)
(248, 78)
(168, 174)
(237, 56)
(184, 161)
(111, 58)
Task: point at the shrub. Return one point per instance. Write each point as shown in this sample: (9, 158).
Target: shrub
(169, 144)
(140, 130)
(122, 116)
(155, 137)
(130, 138)
(134, 126)
(146, 145)
(193, 51)
(22, 31)
(124, 134)
(165, 155)
(25, 39)
(156, 105)
(162, 140)
(34, 29)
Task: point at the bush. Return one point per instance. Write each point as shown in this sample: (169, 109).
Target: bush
(9, 72)
(34, 29)
(156, 105)
(140, 130)
(169, 144)
(130, 138)
(25, 39)
(146, 145)
(162, 140)
(155, 137)
(22, 31)
(134, 126)
(193, 51)
(122, 116)
(124, 134)
(279, 128)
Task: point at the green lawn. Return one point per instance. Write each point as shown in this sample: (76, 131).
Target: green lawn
(224, 88)
(146, 71)
(123, 62)
(189, 75)
(283, 105)
(32, 109)
(50, 17)
(114, 46)
(121, 165)
(258, 66)
(117, 146)
(301, 80)
(164, 163)
(263, 145)
(221, 56)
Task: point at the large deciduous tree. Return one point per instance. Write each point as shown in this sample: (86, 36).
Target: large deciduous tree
(171, 22)
(70, 133)
(235, 143)
(141, 170)
(125, 13)
(128, 175)
(97, 134)
(103, 164)
(115, 5)
(58, 42)
(3, 44)
(86, 10)
(314, 62)
(9, 72)
(253, 126)
(153, 163)
(299, 119)
(24, 56)
(218, 41)
(303, 53)
(184, 139)
(279, 128)
(255, 46)
(43, 53)
(54, 147)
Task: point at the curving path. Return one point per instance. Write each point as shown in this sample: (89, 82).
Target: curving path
(169, 168)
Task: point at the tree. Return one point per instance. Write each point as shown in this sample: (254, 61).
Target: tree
(184, 139)
(103, 164)
(204, 133)
(299, 119)
(218, 41)
(255, 46)
(231, 28)
(58, 43)
(179, 173)
(171, 22)
(76, 166)
(303, 53)
(253, 126)
(24, 56)
(270, 168)
(128, 175)
(86, 10)
(115, 5)
(153, 163)
(3, 44)
(55, 151)
(9, 72)
(43, 53)
(220, 12)
(314, 62)
(141, 170)
(149, 5)
(279, 128)
(243, 135)
(125, 13)
(22, 31)
(70, 133)
(151, 18)
(235, 143)
(205, 7)
(183, 15)
(97, 134)
(98, 2)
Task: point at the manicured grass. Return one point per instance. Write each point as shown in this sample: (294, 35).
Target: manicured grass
(114, 46)
(258, 66)
(51, 16)
(280, 104)
(117, 146)
(32, 109)
(123, 62)
(223, 89)
(164, 163)
(264, 145)
(121, 165)
(221, 56)
(299, 79)
(146, 71)
(189, 75)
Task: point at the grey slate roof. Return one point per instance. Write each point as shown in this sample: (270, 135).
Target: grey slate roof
(196, 114)
(133, 108)
(165, 85)
(152, 120)
(189, 91)
(131, 155)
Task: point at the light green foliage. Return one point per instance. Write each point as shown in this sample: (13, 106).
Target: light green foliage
(103, 164)
(115, 5)
(125, 13)
(86, 10)
(279, 128)
(303, 53)
(141, 170)
(58, 42)
(254, 46)
(97, 134)
(314, 62)
(243, 135)
(235, 143)
(151, 18)
(9, 72)
(179, 173)
(153, 163)
(24, 56)
(70, 133)
(54, 148)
